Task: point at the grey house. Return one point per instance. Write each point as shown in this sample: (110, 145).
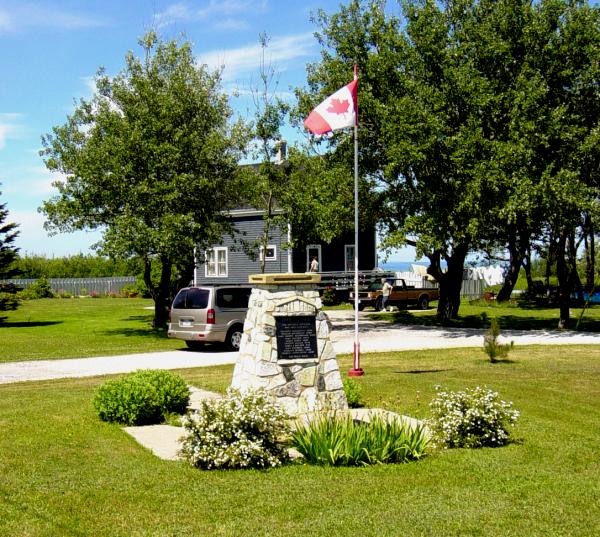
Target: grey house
(228, 263)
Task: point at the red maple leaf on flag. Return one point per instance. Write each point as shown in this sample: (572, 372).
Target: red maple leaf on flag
(338, 107)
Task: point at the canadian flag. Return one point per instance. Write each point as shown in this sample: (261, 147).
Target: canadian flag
(336, 112)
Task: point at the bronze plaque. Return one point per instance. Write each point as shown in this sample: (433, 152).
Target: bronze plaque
(296, 337)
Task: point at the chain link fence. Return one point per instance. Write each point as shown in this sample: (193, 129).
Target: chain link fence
(81, 286)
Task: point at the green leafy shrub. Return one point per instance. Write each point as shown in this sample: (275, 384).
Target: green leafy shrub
(240, 431)
(141, 398)
(39, 289)
(333, 440)
(130, 291)
(495, 350)
(471, 418)
(353, 393)
(329, 297)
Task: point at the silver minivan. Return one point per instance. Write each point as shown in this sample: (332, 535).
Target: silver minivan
(210, 314)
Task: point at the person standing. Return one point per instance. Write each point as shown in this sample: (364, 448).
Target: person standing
(386, 291)
(314, 265)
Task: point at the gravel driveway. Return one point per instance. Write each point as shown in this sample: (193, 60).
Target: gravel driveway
(374, 336)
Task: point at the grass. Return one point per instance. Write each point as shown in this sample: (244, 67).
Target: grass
(77, 328)
(64, 472)
(477, 314)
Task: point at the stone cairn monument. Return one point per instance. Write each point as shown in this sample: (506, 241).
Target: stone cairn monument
(286, 347)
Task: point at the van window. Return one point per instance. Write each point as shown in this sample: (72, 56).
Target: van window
(234, 297)
(195, 299)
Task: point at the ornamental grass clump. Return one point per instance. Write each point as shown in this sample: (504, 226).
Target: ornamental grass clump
(142, 398)
(339, 440)
(471, 418)
(243, 430)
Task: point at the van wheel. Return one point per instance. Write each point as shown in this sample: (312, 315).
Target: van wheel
(423, 303)
(360, 306)
(234, 337)
(379, 304)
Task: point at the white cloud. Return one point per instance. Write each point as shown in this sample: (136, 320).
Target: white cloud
(244, 60)
(5, 21)
(21, 16)
(32, 182)
(10, 127)
(214, 10)
(34, 239)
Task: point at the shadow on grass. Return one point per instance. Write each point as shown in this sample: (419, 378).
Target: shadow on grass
(25, 324)
(421, 371)
(154, 333)
(505, 321)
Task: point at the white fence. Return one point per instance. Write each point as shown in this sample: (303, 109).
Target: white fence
(81, 286)
(470, 288)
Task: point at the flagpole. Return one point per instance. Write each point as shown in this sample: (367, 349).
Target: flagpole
(356, 370)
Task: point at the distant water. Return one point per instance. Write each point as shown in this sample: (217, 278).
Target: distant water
(401, 266)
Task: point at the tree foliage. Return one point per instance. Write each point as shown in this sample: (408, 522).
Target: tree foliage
(76, 266)
(151, 160)
(8, 255)
(478, 123)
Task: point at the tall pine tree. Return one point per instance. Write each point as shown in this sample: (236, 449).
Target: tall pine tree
(8, 254)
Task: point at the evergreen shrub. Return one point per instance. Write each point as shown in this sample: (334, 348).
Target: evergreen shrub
(142, 398)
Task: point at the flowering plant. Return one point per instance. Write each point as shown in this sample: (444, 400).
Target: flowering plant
(471, 418)
(240, 431)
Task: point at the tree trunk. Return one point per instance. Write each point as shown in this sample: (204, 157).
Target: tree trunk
(450, 282)
(160, 294)
(590, 254)
(162, 302)
(527, 268)
(574, 279)
(512, 275)
(562, 272)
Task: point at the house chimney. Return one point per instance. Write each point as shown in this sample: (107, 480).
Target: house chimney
(281, 155)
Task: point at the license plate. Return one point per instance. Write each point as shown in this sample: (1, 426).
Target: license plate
(185, 324)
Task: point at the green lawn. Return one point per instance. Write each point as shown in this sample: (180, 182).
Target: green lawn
(63, 472)
(73, 328)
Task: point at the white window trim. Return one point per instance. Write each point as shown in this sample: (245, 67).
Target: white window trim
(216, 251)
(260, 254)
(319, 258)
(346, 248)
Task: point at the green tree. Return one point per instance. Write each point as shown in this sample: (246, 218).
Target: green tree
(8, 255)
(151, 159)
(311, 193)
(474, 124)
(266, 181)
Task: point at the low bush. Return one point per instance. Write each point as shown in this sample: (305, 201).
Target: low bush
(38, 289)
(333, 440)
(142, 398)
(130, 291)
(471, 418)
(329, 297)
(242, 430)
(353, 393)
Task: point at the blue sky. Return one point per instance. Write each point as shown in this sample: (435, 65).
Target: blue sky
(50, 51)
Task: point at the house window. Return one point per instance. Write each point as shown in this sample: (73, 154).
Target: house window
(271, 253)
(216, 262)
